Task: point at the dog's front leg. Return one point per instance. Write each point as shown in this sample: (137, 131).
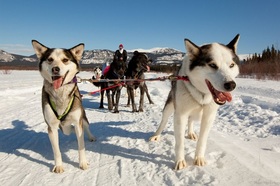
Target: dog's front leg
(53, 136)
(118, 95)
(179, 133)
(141, 104)
(109, 98)
(132, 97)
(113, 97)
(208, 117)
(81, 145)
(101, 98)
(128, 96)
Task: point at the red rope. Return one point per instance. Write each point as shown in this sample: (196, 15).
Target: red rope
(107, 88)
(184, 78)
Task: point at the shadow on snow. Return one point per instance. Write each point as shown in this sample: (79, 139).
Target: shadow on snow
(22, 137)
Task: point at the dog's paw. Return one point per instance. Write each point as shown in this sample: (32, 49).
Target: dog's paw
(154, 138)
(180, 165)
(84, 165)
(192, 136)
(58, 169)
(199, 161)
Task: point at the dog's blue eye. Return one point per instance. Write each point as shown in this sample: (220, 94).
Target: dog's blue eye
(231, 65)
(212, 65)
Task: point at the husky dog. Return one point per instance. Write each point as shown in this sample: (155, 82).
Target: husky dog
(97, 75)
(61, 100)
(211, 70)
(136, 68)
(116, 71)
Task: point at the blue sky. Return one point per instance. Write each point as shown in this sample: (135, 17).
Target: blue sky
(145, 24)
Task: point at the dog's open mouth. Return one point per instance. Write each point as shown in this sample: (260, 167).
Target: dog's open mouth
(219, 97)
(58, 81)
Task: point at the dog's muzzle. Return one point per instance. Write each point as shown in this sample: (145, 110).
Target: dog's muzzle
(219, 97)
(57, 79)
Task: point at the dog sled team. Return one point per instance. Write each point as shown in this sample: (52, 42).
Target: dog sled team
(119, 70)
(210, 69)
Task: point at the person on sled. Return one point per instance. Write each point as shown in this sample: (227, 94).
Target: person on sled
(121, 54)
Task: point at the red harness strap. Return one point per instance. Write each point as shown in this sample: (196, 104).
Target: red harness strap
(184, 78)
(110, 87)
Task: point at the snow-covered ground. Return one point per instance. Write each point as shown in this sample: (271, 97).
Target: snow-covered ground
(243, 146)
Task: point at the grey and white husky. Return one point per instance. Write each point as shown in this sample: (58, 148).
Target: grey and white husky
(61, 99)
(211, 70)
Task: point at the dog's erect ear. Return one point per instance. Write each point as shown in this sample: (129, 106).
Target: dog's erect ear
(77, 51)
(192, 49)
(39, 48)
(233, 44)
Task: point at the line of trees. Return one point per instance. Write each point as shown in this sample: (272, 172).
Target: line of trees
(262, 66)
(167, 68)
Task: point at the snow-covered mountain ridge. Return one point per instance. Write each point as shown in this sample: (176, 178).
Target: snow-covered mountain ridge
(98, 56)
(158, 55)
(6, 57)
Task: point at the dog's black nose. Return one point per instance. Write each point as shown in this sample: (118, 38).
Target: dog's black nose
(55, 70)
(229, 86)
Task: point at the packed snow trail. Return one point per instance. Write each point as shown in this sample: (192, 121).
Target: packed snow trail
(243, 146)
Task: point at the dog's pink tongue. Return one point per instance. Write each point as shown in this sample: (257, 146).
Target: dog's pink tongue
(57, 82)
(225, 96)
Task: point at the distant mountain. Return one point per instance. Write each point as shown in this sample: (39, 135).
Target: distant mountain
(156, 50)
(158, 55)
(99, 56)
(165, 55)
(6, 57)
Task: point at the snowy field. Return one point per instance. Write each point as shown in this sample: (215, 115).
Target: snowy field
(243, 147)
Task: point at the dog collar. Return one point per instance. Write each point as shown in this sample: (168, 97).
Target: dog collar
(74, 80)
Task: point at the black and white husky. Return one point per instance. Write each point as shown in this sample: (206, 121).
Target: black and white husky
(61, 100)
(211, 70)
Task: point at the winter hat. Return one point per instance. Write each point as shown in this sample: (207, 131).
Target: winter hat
(121, 46)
